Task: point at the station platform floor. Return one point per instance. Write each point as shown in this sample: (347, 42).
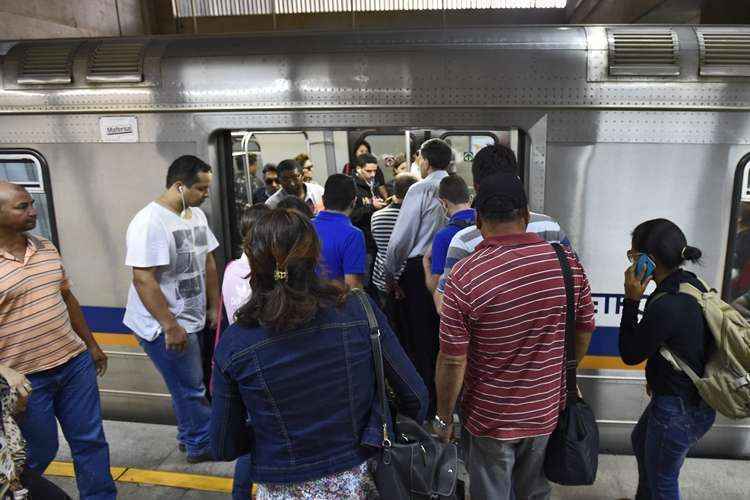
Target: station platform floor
(147, 465)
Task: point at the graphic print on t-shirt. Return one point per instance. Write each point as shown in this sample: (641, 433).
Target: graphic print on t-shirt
(189, 280)
(201, 237)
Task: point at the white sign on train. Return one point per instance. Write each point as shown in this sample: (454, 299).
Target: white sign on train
(118, 129)
(608, 308)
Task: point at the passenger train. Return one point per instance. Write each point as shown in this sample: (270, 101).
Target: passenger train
(612, 125)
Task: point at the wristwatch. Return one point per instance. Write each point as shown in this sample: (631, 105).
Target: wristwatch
(440, 424)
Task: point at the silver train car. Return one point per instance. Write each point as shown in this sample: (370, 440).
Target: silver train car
(612, 124)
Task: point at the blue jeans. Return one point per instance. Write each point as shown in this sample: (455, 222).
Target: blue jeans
(243, 485)
(661, 439)
(70, 393)
(183, 374)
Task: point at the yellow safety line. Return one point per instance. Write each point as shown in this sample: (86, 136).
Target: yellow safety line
(65, 469)
(154, 477)
(177, 480)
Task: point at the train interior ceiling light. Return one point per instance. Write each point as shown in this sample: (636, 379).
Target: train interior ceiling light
(212, 8)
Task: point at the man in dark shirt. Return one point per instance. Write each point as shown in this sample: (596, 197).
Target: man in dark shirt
(367, 197)
(271, 181)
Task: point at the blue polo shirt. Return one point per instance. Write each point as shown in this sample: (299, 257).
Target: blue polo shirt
(342, 245)
(442, 240)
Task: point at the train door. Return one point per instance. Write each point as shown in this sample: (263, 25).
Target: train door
(243, 147)
(736, 283)
(465, 144)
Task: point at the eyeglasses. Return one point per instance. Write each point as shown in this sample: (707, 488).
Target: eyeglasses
(271, 182)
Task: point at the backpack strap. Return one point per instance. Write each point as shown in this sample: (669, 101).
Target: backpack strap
(693, 291)
(678, 364)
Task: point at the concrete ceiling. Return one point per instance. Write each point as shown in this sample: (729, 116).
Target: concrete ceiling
(635, 11)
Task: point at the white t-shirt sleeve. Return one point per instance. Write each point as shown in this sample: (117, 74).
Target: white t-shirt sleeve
(147, 241)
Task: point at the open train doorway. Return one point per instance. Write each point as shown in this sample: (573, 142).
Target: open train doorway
(246, 152)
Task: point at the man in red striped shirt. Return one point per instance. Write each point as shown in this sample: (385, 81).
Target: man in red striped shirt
(502, 336)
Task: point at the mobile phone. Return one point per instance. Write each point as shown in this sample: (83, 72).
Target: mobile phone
(644, 262)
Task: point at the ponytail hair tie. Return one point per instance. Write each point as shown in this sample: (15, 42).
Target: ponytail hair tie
(280, 275)
(682, 253)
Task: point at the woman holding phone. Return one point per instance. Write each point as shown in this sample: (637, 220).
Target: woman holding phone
(676, 417)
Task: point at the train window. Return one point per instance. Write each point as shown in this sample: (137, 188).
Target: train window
(28, 169)
(386, 147)
(737, 267)
(466, 144)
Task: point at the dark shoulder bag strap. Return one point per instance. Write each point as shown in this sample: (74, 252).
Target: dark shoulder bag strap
(377, 358)
(570, 324)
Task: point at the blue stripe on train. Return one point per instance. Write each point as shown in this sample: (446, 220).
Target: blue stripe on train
(109, 320)
(105, 319)
(604, 342)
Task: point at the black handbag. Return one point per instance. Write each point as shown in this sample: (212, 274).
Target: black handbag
(572, 456)
(414, 465)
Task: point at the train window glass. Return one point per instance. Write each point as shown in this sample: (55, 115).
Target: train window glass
(466, 145)
(737, 269)
(274, 147)
(240, 162)
(385, 147)
(21, 171)
(26, 169)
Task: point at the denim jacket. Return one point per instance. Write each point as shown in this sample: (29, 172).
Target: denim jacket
(303, 402)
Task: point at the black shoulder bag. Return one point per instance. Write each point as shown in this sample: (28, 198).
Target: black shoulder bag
(414, 465)
(573, 449)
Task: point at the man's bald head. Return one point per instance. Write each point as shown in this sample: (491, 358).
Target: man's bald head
(17, 212)
(8, 190)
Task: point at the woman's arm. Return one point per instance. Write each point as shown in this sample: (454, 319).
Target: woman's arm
(229, 431)
(639, 340)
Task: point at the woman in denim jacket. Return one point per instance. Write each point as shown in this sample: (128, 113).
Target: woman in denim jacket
(677, 417)
(294, 380)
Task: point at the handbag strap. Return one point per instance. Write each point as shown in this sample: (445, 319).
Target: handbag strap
(571, 365)
(377, 358)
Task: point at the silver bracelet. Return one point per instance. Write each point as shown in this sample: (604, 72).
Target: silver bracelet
(439, 423)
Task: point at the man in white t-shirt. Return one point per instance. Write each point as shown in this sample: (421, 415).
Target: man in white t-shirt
(175, 288)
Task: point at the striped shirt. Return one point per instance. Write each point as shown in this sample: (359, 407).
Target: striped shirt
(381, 225)
(35, 329)
(504, 307)
(466, 240)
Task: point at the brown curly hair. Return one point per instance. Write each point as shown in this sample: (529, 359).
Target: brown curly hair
(283, 250)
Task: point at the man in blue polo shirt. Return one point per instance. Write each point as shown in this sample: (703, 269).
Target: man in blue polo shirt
(453, 194)
(342, 245)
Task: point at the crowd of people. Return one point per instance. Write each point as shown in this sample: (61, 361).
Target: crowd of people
(468, 295)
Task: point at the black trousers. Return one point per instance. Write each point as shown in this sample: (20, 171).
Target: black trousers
(421, 325)
(41, 488)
